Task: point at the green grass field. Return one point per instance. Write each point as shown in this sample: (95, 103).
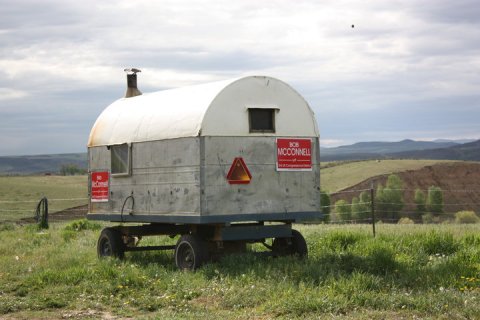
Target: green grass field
(419, 271)
(344, 175)
(19, 195)
(408, 272)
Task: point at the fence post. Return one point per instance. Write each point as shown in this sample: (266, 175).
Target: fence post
(372, 207)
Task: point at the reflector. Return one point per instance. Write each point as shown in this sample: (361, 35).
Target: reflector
(238, 173)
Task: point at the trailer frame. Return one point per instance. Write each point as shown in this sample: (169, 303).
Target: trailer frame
(199, 243)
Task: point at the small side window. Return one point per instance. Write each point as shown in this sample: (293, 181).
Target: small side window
(261, 120)
(120, 159)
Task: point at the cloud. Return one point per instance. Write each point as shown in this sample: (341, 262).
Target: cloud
(406, 67)
(10, 94)
(447, 12)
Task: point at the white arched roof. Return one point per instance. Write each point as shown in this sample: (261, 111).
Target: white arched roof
(212, 109)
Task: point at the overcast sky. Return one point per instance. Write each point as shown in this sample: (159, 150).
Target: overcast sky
(408, 69)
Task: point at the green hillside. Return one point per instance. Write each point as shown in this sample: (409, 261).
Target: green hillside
(344, 175)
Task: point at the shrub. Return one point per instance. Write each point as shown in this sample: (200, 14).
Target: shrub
(73, 228)
(406, 220)
(325, 203)
(430, 218)
(71, 170)
(82, 224)
(365, 205)
(420, 201)
(68, 235)
(389, 199)
(361, 209)
(343, 209)
(466, 217)
(427, 218)
(435, 200)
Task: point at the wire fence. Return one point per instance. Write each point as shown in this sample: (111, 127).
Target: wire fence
(359, 206)
(364, 206)
(59, 209)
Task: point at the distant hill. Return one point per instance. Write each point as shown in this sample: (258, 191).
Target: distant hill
(467, 151)
(365, 148)
(459, 141)
(405, 149)
(39, 164)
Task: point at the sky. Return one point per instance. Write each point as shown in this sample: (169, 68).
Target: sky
(406, 69)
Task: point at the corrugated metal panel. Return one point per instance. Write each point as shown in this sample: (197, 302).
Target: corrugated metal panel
(213, 109)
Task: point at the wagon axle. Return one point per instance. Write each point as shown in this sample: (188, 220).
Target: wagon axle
(194, 249)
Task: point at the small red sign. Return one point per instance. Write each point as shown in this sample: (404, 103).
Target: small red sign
(294, 154)
(100, 185)
(239, 173)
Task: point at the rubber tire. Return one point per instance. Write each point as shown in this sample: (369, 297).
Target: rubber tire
(299, 245)
(281, 246)
(294, 245)
(110, 244)
(191, 252)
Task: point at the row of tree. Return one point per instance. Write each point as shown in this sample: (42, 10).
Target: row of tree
(71, 170)
(388, 203)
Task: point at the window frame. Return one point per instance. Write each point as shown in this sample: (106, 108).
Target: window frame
(272, 111)
(128, 171)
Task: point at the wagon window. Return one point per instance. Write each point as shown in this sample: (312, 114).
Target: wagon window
(261, 120)
(120, 157)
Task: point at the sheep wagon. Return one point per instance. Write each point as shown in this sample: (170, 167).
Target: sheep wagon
(221, 164)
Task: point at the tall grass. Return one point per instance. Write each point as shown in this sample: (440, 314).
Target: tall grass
(407, 271)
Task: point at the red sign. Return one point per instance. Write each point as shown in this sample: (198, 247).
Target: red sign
(294, 154)
(239, 173)
(100, 186)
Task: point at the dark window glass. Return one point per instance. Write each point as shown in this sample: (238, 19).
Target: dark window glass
(262, 120)
(120, 159)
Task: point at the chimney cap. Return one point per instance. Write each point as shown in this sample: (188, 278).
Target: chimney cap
(132, 70)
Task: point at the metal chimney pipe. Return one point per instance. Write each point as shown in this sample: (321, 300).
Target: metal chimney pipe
(132, 90)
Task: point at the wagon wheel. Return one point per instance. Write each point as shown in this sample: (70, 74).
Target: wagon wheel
(190, 252)
(294, 245)
(110, 244)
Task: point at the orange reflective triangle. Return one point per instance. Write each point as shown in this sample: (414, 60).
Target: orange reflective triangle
(238, 173)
